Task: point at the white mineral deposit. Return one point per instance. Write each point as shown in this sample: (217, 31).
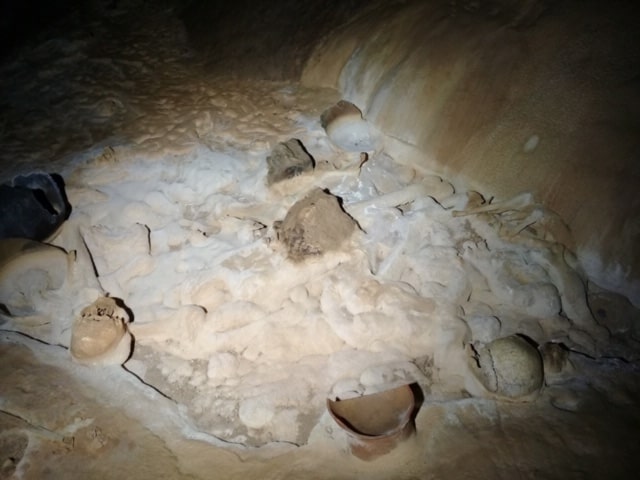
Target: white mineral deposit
(463, 223)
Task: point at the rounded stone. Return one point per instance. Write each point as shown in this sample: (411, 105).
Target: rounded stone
(508, 367)
(315, 225)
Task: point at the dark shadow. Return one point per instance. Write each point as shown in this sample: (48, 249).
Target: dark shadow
(529, 340)
(25, 22)
(341, 205)
(57, 178)
(33, 206)
(44, 202)
(120, 303)
(418, 396)
(304, 149)
(132, 347)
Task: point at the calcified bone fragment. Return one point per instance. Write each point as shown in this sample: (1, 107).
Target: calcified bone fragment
(524, 220)
(393, 199)
(515, 280)
(28, 270)
(571, 287)
(516, 203)
(100, 335)
(115, 247)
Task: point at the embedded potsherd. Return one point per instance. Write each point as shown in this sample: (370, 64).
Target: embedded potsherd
(376, 423)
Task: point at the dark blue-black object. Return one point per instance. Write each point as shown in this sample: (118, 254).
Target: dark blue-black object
(33, 206)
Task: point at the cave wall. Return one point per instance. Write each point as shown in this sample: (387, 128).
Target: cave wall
(265, 40)
(508, 97)
(21, 21)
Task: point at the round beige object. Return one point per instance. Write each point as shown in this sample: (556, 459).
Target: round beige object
(508, 367)
(27, 270)
(100, 335)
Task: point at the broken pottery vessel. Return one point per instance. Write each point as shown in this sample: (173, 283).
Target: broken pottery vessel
(376, 423)
(100, 335)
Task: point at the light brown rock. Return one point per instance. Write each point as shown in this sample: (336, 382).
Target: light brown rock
(314, 225)
(288, 159)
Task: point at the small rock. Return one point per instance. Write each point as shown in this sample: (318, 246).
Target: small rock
(12, 449)
(287, 160)
(314, 225)
(566, 400)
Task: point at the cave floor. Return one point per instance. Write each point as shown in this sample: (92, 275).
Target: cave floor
(63, 421)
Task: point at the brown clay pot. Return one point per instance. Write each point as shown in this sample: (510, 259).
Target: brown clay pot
(376, 423)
